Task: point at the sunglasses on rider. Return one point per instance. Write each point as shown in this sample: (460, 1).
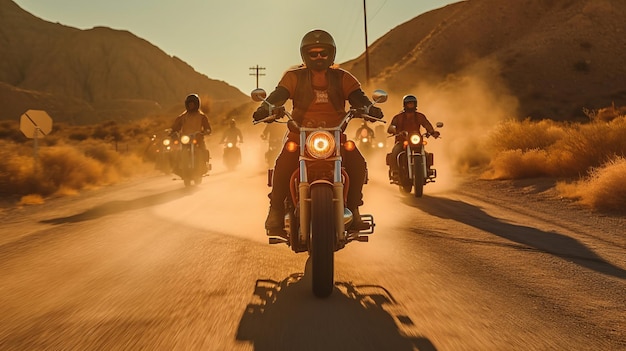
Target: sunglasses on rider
(322, 54)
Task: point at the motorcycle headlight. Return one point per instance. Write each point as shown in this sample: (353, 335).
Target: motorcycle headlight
(415, 139)
(364, 140)
(320, 145)
(185, 139)
(166, 142)
(229, 145)
(381, 145)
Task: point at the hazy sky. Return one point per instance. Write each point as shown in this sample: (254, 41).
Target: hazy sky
(223, 39)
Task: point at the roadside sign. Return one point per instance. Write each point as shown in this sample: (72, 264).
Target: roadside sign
(35, 123)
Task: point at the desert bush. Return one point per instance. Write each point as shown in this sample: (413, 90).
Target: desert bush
(523, 149)
(603, 189)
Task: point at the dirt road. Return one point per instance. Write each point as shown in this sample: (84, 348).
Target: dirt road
(150, 265)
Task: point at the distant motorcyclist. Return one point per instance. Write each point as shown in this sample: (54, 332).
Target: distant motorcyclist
(318, 92)
(408, 120)
(232, 134)
(193, 120)
(364, 131)
(273, 133)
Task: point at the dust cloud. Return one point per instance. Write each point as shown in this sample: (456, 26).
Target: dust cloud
(470, 104)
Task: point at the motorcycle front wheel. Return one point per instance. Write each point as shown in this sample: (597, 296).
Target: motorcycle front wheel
(418, 177)
(322, 239)
(403, 175)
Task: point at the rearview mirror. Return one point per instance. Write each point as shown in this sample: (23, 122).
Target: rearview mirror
(258, 94)
(392, 129)
(379, 96)
(439, 124)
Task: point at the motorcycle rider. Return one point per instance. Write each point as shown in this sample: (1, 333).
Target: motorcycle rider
(232, 134)
(365, 131)
(408, 120)
(274, 134)
(318, 91)
(191, 121)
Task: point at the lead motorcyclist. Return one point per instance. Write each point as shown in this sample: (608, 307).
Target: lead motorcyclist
(408, 120)
(318, 92)
(191, 121)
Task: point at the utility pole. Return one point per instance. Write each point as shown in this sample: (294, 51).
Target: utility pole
(257, 74)
(367, 56)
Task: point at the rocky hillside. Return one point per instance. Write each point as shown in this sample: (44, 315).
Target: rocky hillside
(85, 76)
(555, 57)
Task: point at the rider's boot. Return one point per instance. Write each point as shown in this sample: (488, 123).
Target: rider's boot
(275, 222)
(357, 223)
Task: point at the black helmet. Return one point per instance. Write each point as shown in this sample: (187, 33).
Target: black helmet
(192, 98)
(321, 39)
(409, 98)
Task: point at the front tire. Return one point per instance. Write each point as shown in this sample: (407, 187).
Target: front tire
(403, 176)
(419, 178)
(322, 239)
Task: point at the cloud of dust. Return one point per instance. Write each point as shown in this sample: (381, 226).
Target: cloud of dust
(470, 104)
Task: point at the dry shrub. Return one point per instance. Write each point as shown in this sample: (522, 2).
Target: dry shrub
(603, 189)
(591, 145)
(524, 149)
(514, 164)
(32, 199)
(17, 174)
(63, 169)
(524, 135)
(65, 166)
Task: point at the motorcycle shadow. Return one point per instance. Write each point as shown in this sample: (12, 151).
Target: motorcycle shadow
(113, 207)
(284, 315)
(524, 237)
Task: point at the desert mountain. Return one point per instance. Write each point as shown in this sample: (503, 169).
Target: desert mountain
(85, 76)
(554, 57)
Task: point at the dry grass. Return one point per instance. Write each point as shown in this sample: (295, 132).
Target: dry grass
(101, 155)
(603, 189)
(593, 152)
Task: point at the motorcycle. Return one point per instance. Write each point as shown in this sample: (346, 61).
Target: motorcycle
(316, 216)
(192, 160)
(414, 163)
(380, 142)
(365, 141)
(232, 155)
(164, 148)
(273, 150)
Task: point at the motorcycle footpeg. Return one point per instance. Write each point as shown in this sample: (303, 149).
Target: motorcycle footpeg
(277, 236)
(277, 240)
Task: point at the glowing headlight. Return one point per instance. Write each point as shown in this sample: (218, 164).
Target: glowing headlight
(229, 145)
(166, 142)
(364, 140)
(185, 139)
(381, 145)
(320, 145)
(415, 139)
